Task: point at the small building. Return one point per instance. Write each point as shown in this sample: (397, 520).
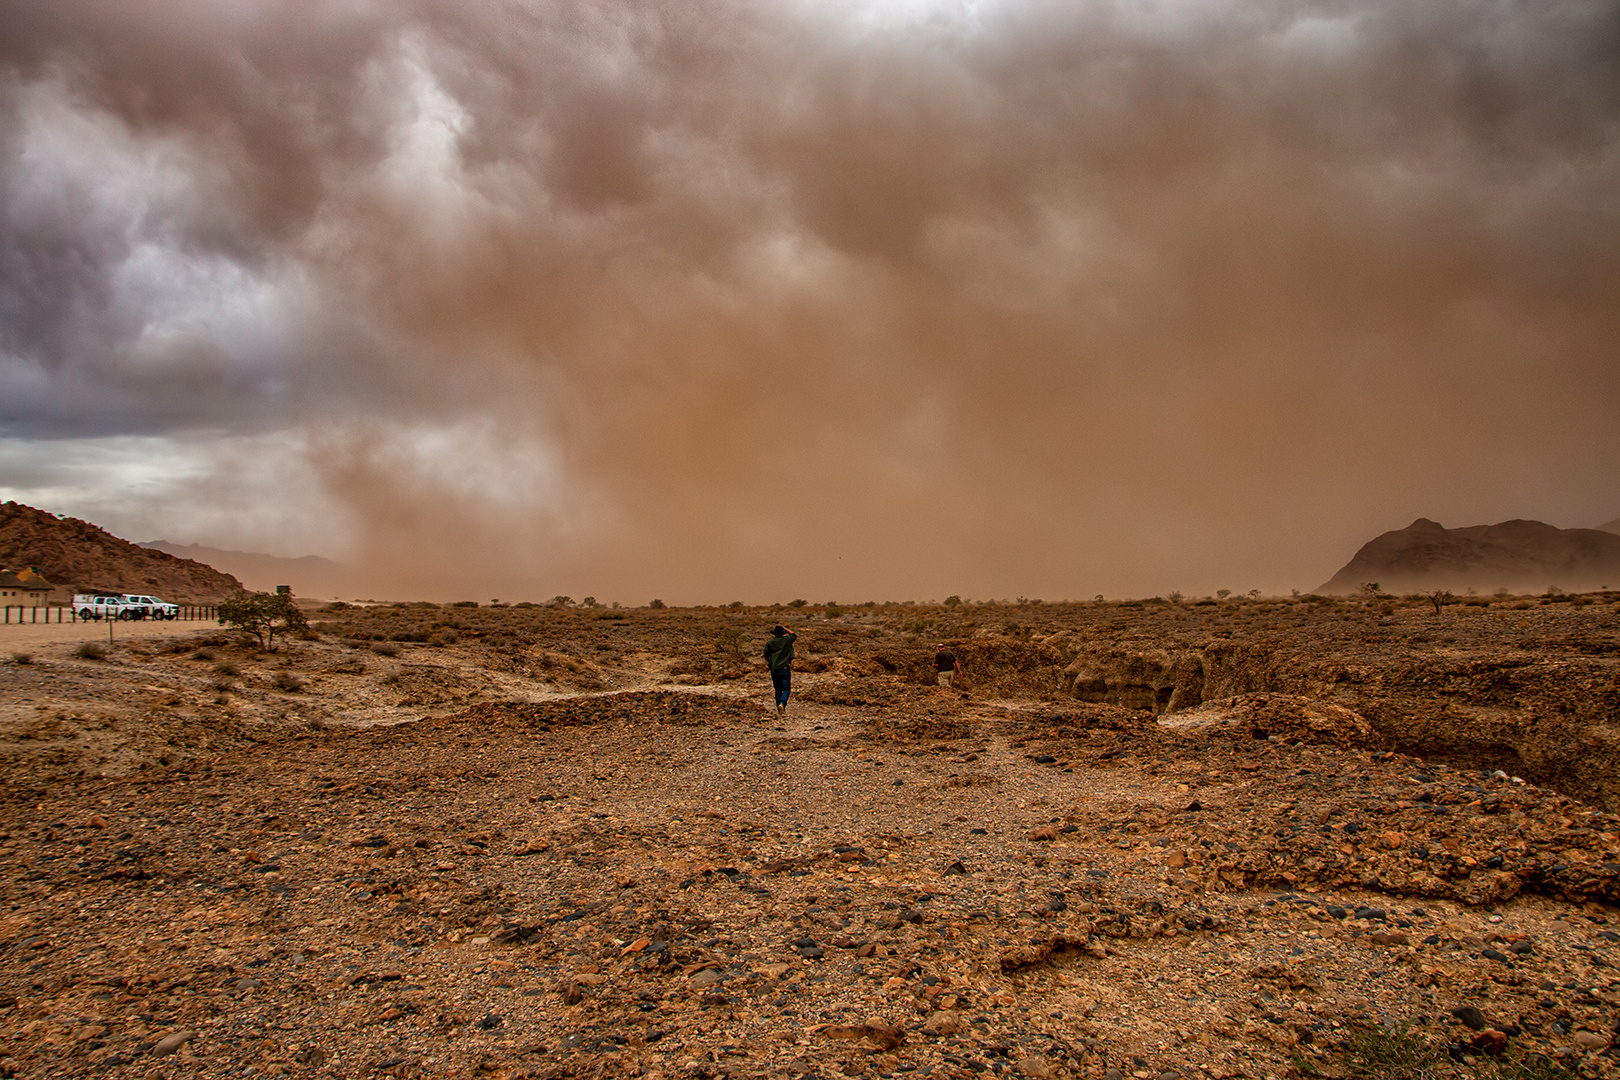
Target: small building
(24, 588)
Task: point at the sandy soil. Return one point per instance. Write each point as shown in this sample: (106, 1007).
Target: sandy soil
(564, 843)
(27, 637)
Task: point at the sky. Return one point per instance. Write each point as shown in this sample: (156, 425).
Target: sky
(843, 300)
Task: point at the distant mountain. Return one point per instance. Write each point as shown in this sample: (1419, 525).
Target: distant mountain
(308, 575)
(1613, 526)
(76, 556)
(1525, 556)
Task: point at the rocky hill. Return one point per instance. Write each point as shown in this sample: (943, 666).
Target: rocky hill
(309, 575)
(75, 555)
(1523, 556)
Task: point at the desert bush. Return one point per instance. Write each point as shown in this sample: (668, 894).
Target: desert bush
(613, 615)
(834, 611)
(202, 654)
(797, 603)
(90, 650)
(225, 667)
(336, 605)
(953, 601)
(731, 640)
(656, 604)
(385, 648)
(443, 637)
(1399, 1053)
(22, 658)
(262, 615)
(287, 681)
(465, 603)
(735, 605)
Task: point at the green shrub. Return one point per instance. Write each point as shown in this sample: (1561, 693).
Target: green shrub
(262, 615)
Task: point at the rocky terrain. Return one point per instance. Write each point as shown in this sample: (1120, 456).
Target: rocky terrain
(1513, 555)
(1255, 838)
(76, 556)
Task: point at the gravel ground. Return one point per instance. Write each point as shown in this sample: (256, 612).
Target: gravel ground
(670, 881)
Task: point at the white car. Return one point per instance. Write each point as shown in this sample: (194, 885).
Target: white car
(98, 606)
(150, 607)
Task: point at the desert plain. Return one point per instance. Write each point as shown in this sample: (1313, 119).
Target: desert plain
(1303, 836)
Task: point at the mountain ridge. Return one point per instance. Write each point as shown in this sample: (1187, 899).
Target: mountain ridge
(308, 575)
(1520, 555)
(75, 556)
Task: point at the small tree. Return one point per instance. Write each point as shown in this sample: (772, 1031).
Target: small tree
(262, 615)
(1370, 588)
(1438, 597)
(1223, 593)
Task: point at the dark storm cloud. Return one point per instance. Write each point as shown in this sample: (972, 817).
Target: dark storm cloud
(1052, 300)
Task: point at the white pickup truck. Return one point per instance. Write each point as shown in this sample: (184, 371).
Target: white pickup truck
(97, 606)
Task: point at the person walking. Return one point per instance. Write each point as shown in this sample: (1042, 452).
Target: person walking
(946, 666)
(779, 657)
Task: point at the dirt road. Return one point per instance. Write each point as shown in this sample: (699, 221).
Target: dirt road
(31, 636)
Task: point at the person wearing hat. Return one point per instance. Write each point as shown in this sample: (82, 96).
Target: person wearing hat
(946, 666)
(779, 657)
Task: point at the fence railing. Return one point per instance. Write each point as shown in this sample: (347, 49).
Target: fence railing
(22, 613)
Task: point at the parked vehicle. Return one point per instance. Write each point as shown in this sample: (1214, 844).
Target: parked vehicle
(126, 606)
(98, 606)
(151, 607)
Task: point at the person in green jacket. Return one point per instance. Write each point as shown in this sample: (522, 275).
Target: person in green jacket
(779, 656)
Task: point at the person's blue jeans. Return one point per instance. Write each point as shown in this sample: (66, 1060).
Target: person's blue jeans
(782, 680)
